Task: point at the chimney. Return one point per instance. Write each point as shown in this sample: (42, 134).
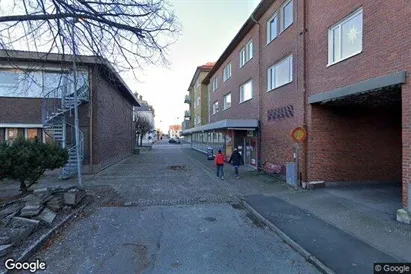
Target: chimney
(136, 94)
(141, 97)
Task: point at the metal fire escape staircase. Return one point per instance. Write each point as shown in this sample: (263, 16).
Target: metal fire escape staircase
(57, 106)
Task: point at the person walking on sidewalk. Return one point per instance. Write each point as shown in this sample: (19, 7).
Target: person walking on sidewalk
(236, 159)
(219, 161)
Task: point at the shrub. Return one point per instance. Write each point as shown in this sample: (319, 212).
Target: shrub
(26, 161)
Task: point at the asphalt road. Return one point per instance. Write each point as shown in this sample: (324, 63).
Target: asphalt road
(185, 236)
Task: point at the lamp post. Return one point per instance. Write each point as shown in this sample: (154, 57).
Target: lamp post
(76, 121)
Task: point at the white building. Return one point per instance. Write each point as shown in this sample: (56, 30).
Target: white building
(147, 111)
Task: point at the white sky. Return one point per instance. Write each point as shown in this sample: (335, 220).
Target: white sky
(208, 27)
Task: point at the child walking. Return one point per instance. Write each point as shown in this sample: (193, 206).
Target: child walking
(219, 161)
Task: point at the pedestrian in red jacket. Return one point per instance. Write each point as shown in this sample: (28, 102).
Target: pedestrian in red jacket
(219, 161)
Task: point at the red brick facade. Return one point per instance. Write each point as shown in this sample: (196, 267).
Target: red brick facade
(111, 136)
(247, 109)
(370, 141)
(355, 144)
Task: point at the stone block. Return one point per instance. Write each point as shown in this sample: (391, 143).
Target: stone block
(31, 210)
(46, 216)
(5, 249)
(403, 216)
(73, 196)
(18, 222)
(13, 208)
(15, 235)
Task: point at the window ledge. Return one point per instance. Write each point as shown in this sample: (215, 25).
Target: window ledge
(348, 57)
(279, 87)
(226, 109)
(246, 101)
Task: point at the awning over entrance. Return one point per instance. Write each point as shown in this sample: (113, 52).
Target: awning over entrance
(372, 86)
(229, 123)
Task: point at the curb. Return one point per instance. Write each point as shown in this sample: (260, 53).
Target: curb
(38, 244)
(307, 255)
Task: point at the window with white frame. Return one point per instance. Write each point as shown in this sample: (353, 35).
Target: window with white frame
(280, 21)
(227, 72)
(197, 102)
(280, 74)
(215, 107)
(227, 101)
(345, 38)
(287, 15)
(246, 53)
(214, 84)
(272, 28)
(246, 91)
(197, 119)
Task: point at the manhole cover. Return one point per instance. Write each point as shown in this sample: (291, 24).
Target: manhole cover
(210, 219)
(177, 167)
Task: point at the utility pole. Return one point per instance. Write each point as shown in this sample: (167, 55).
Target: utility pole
(76, 122)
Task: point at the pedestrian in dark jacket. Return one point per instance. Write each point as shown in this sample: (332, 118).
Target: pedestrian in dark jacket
(219, 161)
(236, 159)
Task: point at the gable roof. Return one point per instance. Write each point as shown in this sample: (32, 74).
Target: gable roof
(244, 30)
(56, 58)
(206, 68)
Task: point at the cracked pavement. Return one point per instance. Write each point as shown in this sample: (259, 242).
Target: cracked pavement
(177, 221)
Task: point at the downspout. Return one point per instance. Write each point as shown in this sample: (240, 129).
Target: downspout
(90, 79)
(259, 129)
(305, 101)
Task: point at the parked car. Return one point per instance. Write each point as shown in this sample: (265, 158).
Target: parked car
(174, 141)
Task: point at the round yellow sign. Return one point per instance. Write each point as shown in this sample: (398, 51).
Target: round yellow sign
(298, 134)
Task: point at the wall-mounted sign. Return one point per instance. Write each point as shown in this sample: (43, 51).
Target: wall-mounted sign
(299, 134)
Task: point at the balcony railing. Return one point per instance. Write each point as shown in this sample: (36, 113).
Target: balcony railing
(187, 99)
(187, 114)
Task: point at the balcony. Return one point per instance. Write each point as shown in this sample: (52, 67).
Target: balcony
(187, 114)
(187, 99)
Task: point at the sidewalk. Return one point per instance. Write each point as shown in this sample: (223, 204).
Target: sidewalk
(346, 234)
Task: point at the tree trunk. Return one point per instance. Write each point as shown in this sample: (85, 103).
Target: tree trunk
(141, 140)
(23, 187)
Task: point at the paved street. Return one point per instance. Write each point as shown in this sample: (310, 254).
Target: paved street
(178, 218)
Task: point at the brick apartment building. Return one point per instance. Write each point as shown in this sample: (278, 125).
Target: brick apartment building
(338, 69)
(36, 100)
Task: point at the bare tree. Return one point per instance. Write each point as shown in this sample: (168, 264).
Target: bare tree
(143, 126)
(127, 33)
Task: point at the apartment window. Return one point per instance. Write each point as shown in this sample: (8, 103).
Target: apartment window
(345, 38)
(227, 101)
(246, 91)
(227, 72)
(197, 102)
(272, 28)
(214, 84)
(286, 15)
(246, 53)
(280, 21)
(215, 107)
(280, 73)
(197, 119)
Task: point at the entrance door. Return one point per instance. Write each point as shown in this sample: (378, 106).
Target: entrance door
(250, 151)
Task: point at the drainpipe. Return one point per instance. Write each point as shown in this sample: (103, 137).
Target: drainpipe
(305, 101)
(90, 84)
(259, 129)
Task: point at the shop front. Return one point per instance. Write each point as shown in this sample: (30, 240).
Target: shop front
(228, 135)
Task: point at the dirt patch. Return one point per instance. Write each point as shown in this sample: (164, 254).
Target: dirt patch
(105, 196)
(178, 167)
(141, 252)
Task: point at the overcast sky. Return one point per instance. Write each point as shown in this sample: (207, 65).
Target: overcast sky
(208, 28)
